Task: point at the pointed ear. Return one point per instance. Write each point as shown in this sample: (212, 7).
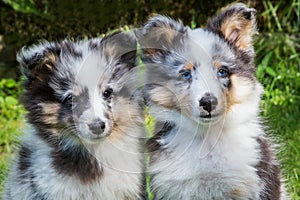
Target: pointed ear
(38, 61)
(160, 33)
(120, 46)
(236, 24)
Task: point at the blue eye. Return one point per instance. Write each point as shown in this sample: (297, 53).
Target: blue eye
(187, 75)
(223, 72)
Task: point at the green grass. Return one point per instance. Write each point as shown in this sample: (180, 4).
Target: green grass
(10, 130)
(278, 68)
(11, 124)
(284, 127)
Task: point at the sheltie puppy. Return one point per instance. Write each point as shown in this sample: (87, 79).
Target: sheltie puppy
(86, 125)
(209, 141)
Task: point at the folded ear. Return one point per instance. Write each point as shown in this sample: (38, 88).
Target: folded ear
(38, 61)
(120, 46)
(160, 33)
(236, 24)
(120, 49)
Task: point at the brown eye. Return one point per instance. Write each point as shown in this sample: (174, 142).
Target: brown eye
(68, 101)
(107, 93)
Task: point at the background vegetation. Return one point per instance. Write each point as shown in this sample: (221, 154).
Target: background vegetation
(24, 22)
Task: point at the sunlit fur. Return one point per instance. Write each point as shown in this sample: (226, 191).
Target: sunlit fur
(65, 154)
(196, 153)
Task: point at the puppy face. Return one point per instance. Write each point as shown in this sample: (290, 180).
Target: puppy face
(71, 88)
(205, 74)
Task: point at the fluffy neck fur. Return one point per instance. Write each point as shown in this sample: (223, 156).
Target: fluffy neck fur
(206, 161)
(77, 170)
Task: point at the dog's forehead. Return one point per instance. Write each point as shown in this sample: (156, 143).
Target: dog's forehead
(91, 70)
(202, 40)
(76, 74)
(206, 46)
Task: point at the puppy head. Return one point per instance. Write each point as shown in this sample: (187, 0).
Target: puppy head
(203, 73)
(71, 87)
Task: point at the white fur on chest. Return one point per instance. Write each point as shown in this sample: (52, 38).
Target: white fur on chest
(215, 162)
(121, 161)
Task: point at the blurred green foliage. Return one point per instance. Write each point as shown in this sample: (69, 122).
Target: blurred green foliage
(24, 6)
(9, 104)
(11, 122)
(26, 21)
(11, 110)
(278, 69)
(278, 57)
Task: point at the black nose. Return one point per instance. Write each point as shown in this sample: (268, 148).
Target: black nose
(97, 126)
(208, 102)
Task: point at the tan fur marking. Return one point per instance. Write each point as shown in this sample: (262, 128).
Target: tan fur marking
(239, 30)
(126, 114)
(164, 96)
(49, 61)
(167, 33)
(49, 108)
(240, 90)
(38, 77)
(237, 192)
(217, 63)
(51, 58)
(110, 51)
(169, 97)
(50, 67)
(51, 119)
(76, 91)
(50, 112)
(116, 133)
(189, 66)
(150, 52)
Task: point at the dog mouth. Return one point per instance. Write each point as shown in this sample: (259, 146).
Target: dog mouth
(209, 117)
(91, 138)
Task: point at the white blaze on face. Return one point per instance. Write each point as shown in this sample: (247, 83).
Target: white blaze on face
(89, 75)
(205, 78)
